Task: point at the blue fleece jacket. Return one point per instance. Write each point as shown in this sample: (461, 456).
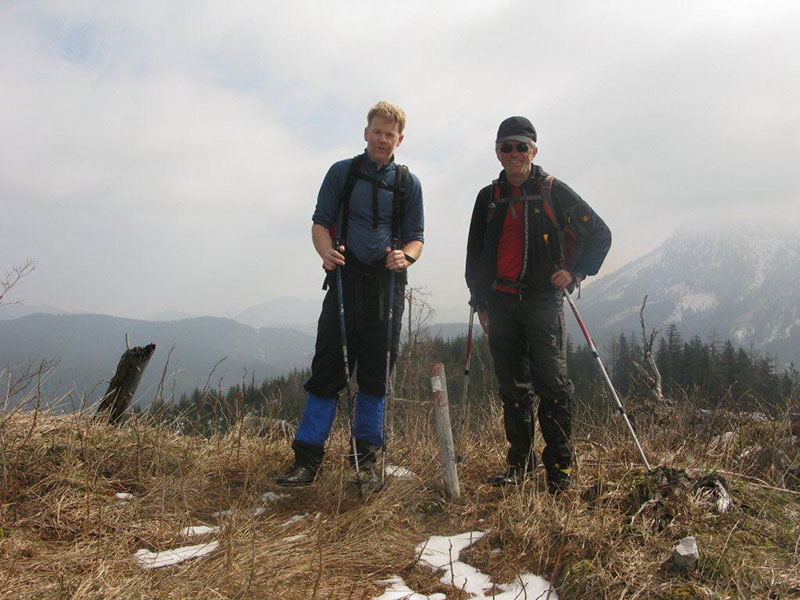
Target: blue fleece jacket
(365, 242)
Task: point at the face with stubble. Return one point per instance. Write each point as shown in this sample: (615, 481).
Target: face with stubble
(382, 137)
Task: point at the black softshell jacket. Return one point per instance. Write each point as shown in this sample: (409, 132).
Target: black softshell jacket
(591, 238)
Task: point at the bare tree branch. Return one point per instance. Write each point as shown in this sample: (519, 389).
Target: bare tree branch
(12, 276)
(654, 374)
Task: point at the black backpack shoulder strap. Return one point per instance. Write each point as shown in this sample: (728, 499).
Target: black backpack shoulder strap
(347, 191)
(399, 199)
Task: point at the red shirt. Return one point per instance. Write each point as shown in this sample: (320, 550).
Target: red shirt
(510, 247)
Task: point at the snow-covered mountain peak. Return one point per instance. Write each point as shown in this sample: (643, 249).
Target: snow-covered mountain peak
(738, 282)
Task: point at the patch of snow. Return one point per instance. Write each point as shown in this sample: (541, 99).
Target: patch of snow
(394, 471)
(123, 496)
(294, 538)
(273, 497)
(398, 590)
(256, 511)
(197, 530)
(154, 560)
(294, 519)
(527, 586)
(442, 552)
(689, 301)
(620, 316)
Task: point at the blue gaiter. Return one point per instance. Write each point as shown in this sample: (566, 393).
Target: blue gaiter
(369, 419)
(317, 420)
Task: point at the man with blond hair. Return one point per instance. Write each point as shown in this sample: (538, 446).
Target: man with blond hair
(367, 228)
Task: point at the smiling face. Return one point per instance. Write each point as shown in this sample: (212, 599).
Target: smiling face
(382, 137)
(516, 163)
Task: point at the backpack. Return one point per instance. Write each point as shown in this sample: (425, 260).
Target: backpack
(398, 198)
(570, 234)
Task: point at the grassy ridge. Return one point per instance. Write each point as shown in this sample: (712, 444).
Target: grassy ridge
(64, 534)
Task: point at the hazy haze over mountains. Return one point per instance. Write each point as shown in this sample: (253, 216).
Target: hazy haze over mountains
(741, 283)
(89, 347)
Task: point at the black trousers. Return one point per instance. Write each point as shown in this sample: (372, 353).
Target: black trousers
(365, 289)
(528, 342)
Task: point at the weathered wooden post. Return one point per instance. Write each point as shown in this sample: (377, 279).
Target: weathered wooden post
(444, 433)
(124, 383)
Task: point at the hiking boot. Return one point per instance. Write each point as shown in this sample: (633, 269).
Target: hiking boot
(297, 476)
(515, 475)
(558, 480)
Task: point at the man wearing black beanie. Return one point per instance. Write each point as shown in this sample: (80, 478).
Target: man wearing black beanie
(531, 238)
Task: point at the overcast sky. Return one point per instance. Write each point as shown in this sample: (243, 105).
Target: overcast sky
(167, 155)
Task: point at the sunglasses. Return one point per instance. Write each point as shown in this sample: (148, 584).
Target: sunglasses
(508, 148)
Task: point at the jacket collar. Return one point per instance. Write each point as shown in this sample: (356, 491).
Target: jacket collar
(530, 184)
(372, 166)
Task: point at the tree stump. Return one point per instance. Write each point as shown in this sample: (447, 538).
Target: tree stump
(123, 385)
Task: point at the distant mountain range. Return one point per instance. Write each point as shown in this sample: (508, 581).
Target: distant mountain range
(286, 311)
(741, 285)
(15, 311)
(89, 347)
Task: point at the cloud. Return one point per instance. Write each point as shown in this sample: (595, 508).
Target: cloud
(184, 143)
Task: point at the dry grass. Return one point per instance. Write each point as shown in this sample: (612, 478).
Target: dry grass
(63, 533)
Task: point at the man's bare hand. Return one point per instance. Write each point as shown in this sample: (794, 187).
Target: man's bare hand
(561, 280)
(483, 318)
(331, 258)
(395, 260)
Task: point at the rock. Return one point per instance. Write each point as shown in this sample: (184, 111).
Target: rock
(715, 488)
(685, 555)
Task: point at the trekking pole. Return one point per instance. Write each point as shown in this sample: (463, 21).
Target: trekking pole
(606, 377)
(389, 327)
(343, 330)
(464, 406)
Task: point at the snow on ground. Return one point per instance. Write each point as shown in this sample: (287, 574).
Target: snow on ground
(398, 590)
(272, 497)
(256, 511)
(294, 519)
(394, 471)
(123, 496)
(197, 530)
(153, 560)
(441, 553)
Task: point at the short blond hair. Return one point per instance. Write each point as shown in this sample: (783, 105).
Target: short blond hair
(390, 112)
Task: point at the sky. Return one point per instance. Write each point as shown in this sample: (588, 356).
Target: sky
(166, 156)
